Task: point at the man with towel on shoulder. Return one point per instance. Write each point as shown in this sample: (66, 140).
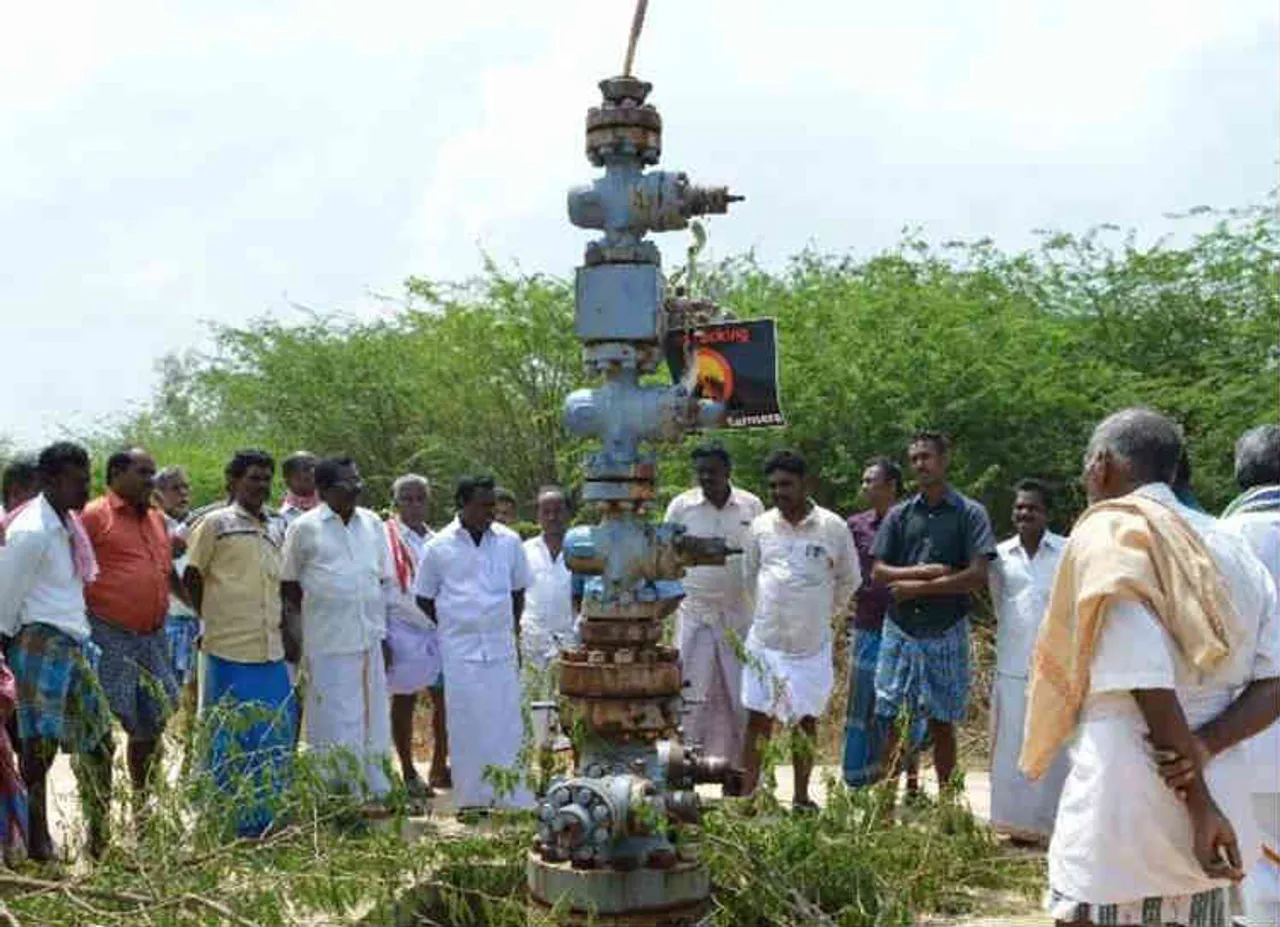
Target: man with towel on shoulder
(1159, 644)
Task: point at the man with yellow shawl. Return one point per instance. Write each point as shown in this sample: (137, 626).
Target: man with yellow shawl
(1159, 640)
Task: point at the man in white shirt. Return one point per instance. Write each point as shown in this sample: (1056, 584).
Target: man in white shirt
(800, 568)
(1185, 662)
(1021, 578)
(44, 567)
(412, 648)
(1255, 516)
(714, 614)
(471, 583)
(335, 563)
(547, 623)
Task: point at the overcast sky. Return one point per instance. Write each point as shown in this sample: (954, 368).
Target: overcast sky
(171, 162)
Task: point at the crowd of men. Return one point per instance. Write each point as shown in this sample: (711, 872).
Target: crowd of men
(1137, 676)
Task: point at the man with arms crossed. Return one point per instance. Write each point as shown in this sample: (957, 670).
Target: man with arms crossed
(932, 551)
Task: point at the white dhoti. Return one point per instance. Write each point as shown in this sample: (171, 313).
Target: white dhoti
(1019, 807)
(1261, 887)
(482, 707)
(415, 656)
(787, 686)
(348, 716)
(717, 719)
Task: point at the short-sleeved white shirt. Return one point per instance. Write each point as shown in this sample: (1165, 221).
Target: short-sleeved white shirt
(1020, 587)
(471, 585)
(548, 606)
(341, 568)
(1121, 835)
(716, 588)
(799, 576)
(38, 581)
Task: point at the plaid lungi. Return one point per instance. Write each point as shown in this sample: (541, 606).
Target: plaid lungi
(929, 674)
(864, 730)
(137, 677)
(1206, 909)
(59, 697)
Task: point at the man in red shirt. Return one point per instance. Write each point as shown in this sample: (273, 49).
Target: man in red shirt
(127, 606)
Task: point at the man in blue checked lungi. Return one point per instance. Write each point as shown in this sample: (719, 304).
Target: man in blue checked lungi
(864, 732)
(233, 574)
(46, 562)
(128, 604)
(933, 552)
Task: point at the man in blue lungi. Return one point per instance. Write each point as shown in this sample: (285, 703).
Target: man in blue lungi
(233, 575)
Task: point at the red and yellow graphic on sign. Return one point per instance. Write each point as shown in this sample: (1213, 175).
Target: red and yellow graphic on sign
(714, 375)
(734, 363)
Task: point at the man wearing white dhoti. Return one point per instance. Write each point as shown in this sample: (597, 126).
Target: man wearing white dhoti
(547, 623)
(1160, 636)
(471, 582)
(1020, 578)
(714, 610)
(411, 648)
(800, 568)
(1255, 516)
(335, 564)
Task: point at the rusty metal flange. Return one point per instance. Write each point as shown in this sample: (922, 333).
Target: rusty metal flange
(619, 680)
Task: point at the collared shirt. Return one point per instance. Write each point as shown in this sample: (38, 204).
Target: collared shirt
(800, 577)
(547, 620)
(38, 581)
(471, 585)
(871, 600)
(341, 568)
(1020, 586)
(1120, 833)
(954, 532)
(238, 557)
(402, 603)
(135, 562)
(715, 591)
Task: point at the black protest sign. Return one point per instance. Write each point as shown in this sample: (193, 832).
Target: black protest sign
(731, 362)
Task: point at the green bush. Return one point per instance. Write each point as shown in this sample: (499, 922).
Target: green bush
(1016, 355)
